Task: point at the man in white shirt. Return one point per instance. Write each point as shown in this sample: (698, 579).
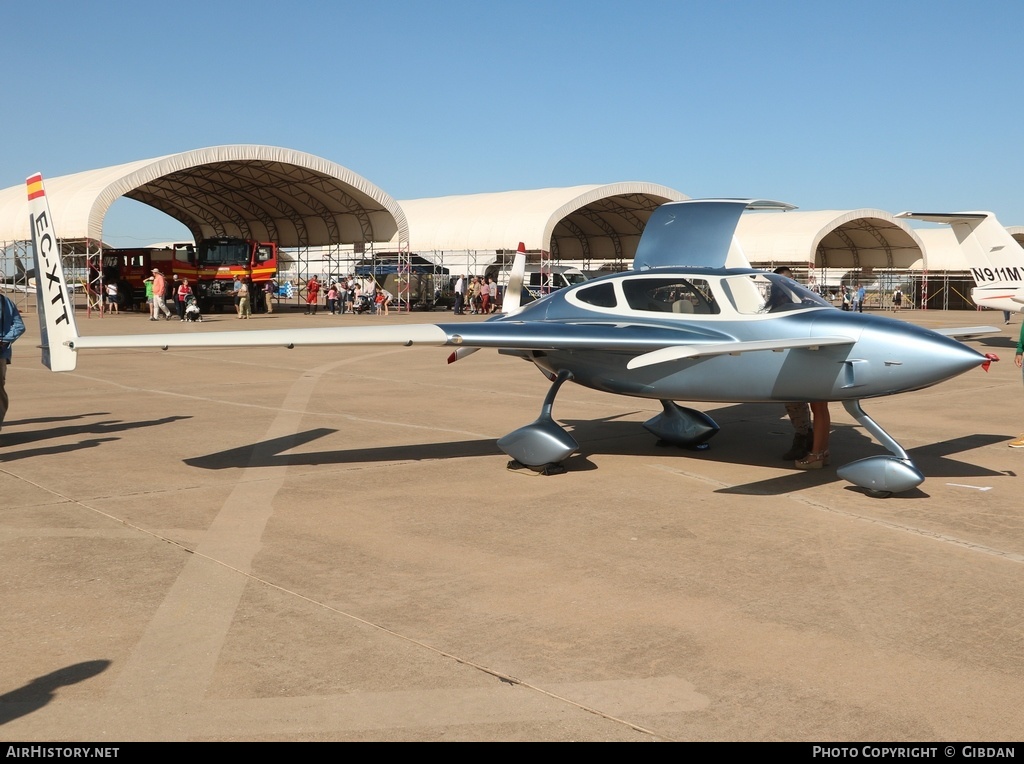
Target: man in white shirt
(460, 295)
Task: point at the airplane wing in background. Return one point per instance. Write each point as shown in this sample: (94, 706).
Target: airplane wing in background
(968, 332)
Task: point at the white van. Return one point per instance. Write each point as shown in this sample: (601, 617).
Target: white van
(550, 279)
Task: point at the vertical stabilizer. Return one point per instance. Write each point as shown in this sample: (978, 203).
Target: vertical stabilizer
(995, 258)
(514, 291)
(53, 302)
(992, 254)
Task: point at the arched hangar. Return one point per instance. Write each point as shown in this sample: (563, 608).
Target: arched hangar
(863, 239)
(247, 191)
(590, 222)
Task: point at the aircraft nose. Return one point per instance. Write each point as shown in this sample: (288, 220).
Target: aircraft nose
(894, 357)
(916, 357)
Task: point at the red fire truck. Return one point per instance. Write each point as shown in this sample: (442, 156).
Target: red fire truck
(211, 267)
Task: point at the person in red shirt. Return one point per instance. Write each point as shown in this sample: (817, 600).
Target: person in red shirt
(184, 292)
(312, 293)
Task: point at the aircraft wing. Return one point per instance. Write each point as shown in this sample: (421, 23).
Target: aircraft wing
(414, 334)
(968, 332)
(510, 334)
(655, 344)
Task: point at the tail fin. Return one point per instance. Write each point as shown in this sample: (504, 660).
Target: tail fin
(53, 303)
(516, 277)
(993, 255)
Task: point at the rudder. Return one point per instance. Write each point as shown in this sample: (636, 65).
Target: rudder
(56, 310)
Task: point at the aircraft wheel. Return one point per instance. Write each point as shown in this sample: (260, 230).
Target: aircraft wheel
(879, 494)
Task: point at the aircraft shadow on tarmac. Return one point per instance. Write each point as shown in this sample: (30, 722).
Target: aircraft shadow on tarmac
(999, 341)
(41, 690)
(270, 453)
(758, 434)
(11, 440)
(752, 434)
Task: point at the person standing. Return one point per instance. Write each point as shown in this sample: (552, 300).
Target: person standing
(485, 296)
(149, 295)
(1018, 359)
(312, 295)
(350, 294)
(861, 294)
(460, 295)
(818, 456)
(111, 289)
(799, 413)
(244, 309)
(332, 298)
(268, 294)
(474, 296)
(12, 327)
(897, 300)
(184, 292)
(495, 297)
(236, 293)
(159, 297)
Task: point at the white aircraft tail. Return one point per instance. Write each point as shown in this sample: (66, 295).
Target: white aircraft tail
(53, 302)
(516, 277)
(993, 255)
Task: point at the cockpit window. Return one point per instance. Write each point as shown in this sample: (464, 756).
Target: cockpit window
(599, 295)
(670, 295)
(769, 293)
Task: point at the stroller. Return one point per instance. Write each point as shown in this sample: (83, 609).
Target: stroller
(192, 312)
(363, 304)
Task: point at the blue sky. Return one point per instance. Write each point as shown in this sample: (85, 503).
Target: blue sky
(892, 105)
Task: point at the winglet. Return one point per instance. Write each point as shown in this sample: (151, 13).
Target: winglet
(53, 303)
(514, 291)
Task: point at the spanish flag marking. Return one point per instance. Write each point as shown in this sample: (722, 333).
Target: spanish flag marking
(35, 186)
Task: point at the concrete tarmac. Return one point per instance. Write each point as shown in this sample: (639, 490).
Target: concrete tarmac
(325, 544)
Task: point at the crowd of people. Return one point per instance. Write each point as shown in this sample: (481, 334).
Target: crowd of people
(166, 298)
(481, 295)
(348, 294)
(169, 297)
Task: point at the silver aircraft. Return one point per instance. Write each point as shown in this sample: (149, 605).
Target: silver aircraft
(679, 326)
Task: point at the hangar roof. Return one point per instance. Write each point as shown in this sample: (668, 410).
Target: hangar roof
(578, 222)
(944, 252)
(253, 192)
(1017, 232)
(863, 238)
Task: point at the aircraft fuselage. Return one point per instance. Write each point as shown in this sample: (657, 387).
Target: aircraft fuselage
(883, 356)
